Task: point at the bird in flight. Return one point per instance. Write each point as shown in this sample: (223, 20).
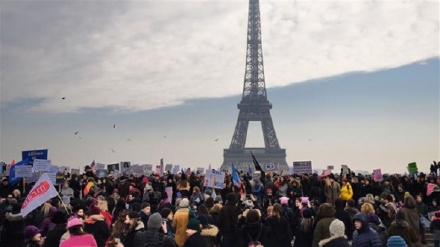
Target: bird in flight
(112, 150)
(114, 125)
(129, 140)
(63, 98)
(216, 140)
(164, 136)
(76, 132)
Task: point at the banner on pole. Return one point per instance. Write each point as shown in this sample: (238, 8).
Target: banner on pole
(42, 191)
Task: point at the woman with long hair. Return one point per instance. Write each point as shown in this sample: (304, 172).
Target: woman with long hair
(304, 235)
(77, 235)
(278, 224)
(253, 231)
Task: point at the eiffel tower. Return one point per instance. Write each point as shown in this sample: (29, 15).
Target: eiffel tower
(254, 106)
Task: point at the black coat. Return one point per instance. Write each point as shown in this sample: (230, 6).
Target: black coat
(195, 240)
(335, 242)
(227, 220)
(343, 216)
(54, 236)
(97, 226)
(278, 236)
(253, 232)
(153, 238)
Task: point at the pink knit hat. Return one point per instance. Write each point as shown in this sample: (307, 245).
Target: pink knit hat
(284, 200)
(73, 221)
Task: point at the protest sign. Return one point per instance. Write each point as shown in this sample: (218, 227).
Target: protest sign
(412, 167)
(159, 169)
(214, 179)
(148, 169)
(33, 178)
(176, 169)
(200, 170)
(75, 171)
(113, 167)
(330, 167)
(302, 167)
(23, 171)
(430, 189)
(377, 175)
(256, 176)
(344, 170)
(52, 176)
(125, 166)
(64, 169)
(168, 167)
(100, 166)
(41, 165)
(102, 173)
(137, 169)
(34, 154)
(54, 169)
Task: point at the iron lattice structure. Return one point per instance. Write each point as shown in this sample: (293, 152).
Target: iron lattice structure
(254, 106)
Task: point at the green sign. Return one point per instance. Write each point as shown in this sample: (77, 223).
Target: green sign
(412, 167)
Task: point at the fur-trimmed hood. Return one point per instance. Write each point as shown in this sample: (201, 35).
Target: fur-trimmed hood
(327, 240)
(210, 231)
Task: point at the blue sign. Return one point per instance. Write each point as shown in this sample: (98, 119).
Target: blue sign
(34, 154)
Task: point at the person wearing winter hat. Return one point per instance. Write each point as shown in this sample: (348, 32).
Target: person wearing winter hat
(337, 235)
(208, 232)
(193, 232)
(152, 234)
(396, 241)
(77, 235)
(95, 224)
(180, 222)
(32, 236)
(53, 237)
(400, 227)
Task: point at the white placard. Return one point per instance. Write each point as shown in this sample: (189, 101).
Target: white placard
(52, 176)
(214, 179)
(100, 166)
(200, 170)
(168, 167)
(23, 171)
(41, 165)
(148, 169)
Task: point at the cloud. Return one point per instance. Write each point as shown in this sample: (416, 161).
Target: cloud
(138, 56)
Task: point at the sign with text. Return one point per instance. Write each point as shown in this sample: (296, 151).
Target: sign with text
(148, 169)
(214, 179)
(23, 171)
(377, 175)
(344, 170)
(41, 165)
(40, 154)
(412, 167)
(102, 173)
(200, 170)
(100, 166)
(302, 167)
(176, 169)
(168, 167)
(75, 171)
(330, 167)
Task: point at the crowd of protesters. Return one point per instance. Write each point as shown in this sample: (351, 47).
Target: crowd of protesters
(271, 210)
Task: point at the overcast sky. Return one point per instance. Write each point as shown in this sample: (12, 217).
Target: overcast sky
(175, 69)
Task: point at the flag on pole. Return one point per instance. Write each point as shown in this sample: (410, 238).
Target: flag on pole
(42, 191)
(249, 173)
(235, 177)
(12, 162)
(258, 167)
(93, 165)
(12, 179)
(88, 187)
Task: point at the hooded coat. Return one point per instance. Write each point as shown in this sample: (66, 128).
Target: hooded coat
(326, 215)
(365, 237)
(401, 228)
(209, 235)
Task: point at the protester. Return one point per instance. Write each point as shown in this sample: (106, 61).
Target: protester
(337, 235)
(364, 236)
(326, 214)
(32, 236)
(134, 225)
(54, 235)
(180, 222)
(95, 224)
(152, 235)
(400, 227)
(77, 235)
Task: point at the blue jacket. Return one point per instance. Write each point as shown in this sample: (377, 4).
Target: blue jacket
(365, 237)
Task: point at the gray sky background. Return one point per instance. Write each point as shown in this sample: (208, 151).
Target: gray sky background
(352, 82)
